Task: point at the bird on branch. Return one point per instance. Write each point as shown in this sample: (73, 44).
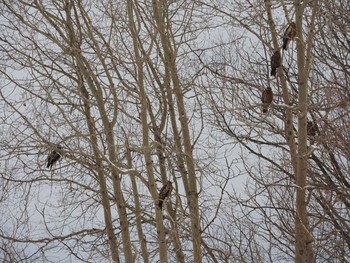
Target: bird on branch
(53, 157)
(266, 98)
(312, 130)
(276, 61)
(164, 192)
(289, 35)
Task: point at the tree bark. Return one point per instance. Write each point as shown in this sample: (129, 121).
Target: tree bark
(142, 240)
(170, 62)
(101, 178)
(303, 236)
(93, 137)
(145, 135)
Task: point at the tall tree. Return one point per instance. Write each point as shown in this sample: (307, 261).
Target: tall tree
(140, 93)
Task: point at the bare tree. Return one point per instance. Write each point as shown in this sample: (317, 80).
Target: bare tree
(84, 87)
(141, 93)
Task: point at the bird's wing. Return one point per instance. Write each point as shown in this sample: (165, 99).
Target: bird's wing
(287, 32)
(162, 190)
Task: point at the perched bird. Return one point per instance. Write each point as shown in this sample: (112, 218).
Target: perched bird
(276, 61)
(164, 193)
(312, 130)
(53, 157)
(266, 98)
(289, 35)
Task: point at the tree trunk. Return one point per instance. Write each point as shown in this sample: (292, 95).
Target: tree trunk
(303, 236)
(159, 13)
(145, 136)
(93, 137)
(144, 251)
(101, 177)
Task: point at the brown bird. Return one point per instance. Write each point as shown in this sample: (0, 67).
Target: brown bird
(53, 157)
(276, 61)
(266, 98)
(164, 193)
(312, 130)
(289, 35)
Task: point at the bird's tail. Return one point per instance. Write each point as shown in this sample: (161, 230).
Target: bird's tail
(285, 44)
(273, 72)
(160, 203)
(265, 109)
(48, 165)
